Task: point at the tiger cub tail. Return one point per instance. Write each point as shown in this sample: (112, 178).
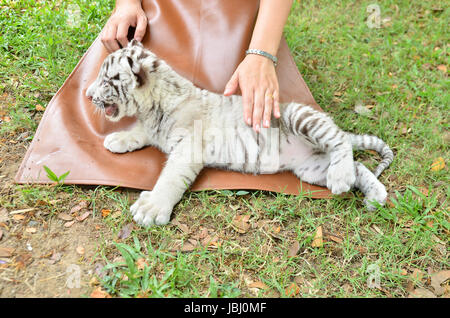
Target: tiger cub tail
(367, 142)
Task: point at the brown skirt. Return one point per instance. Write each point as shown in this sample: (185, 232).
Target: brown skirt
(203, 41)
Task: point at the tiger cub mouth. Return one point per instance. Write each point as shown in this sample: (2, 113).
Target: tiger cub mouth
(111, 110)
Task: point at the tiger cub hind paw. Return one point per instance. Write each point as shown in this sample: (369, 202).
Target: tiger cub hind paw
(378, 195)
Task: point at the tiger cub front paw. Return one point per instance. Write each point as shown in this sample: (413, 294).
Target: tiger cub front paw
(124, 141)
(151, 210)
(341, 177)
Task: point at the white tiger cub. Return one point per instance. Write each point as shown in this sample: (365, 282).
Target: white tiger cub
(135, 82)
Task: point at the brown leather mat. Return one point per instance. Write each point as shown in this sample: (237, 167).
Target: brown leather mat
(202, 40)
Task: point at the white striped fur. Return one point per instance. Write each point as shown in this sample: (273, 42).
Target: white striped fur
(198, 128)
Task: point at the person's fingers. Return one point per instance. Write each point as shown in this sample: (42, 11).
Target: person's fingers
(258, 108)
(232, 85)
(276, 104)
(141, 27)
(109, 38)
(247, 99)
(104, 39)
(122, 32)
(268, 106)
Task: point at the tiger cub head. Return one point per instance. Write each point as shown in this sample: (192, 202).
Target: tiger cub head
(121, 74)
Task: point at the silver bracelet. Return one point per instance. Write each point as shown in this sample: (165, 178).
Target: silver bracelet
(263, 53)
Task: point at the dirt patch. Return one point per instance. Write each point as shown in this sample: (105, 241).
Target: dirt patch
(42, 255)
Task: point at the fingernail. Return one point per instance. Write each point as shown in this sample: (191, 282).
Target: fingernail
(266, 123)
(249, 121)
(257, 127)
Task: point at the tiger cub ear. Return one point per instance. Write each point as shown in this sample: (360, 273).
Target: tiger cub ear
(135, 43)
(138, 71)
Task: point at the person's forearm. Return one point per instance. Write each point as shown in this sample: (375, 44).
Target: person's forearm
(269, 25)
(127, 2)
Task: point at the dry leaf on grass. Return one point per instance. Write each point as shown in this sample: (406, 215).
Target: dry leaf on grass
(65, 217)
(414, 277)
(23, 260)
(318, 238)
(440, 248)
(437, 279)
(258, 284)
(442, 68)
(80, 250)
(274, 231)
(417, 275)
(183, 227)
(437, 239)
(424, 190)
(93, 281)
(390, 203)
(83, 216)
(18, 217)
(292, 290)
(421, 293)
(293, 250)
(79, 207)
(69, 224)
(4, 215)
(99, 293)
(240, 223)
(175, 245)
(438, 164)
(377, 229)
(125, 232)
(6, 251)
(116, 214)
(200, 233)
(56, 257)
(41, 203)
(31, 230)
(210, 241)
(361, 249)
(334, 238)
(189, 246)
(141, 263)
(105, 212)
(39, 108)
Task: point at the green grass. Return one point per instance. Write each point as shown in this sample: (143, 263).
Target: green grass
(345, 63)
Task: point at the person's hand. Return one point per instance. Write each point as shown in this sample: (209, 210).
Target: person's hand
(256, 78)
(127, 14)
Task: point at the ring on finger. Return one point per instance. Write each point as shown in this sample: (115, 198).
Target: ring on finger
(269, 95)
